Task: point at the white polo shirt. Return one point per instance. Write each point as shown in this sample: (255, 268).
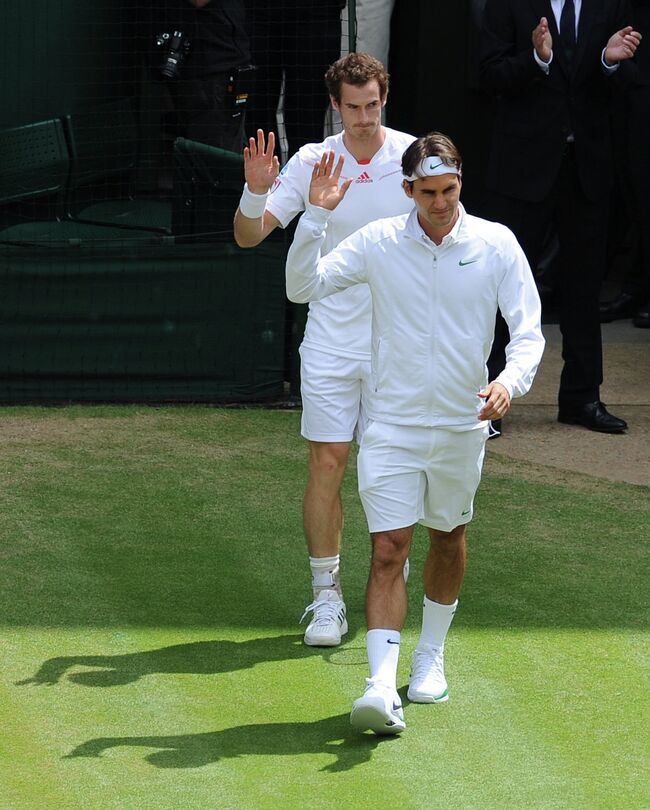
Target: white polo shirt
(434, 309)
(340, 325)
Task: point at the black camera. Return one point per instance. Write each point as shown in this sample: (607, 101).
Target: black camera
(175, 48)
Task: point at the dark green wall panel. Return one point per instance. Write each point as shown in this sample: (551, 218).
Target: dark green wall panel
(58, 56)
(194, 323)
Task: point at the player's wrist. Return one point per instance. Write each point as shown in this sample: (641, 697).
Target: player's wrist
(258, 188)
(317, 212)
(253, 204)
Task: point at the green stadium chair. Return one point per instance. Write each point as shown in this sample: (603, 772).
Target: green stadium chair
(101, 189)
(207, 186)
(34, 170)
(65, 233)
(35, 173)
(34, 164)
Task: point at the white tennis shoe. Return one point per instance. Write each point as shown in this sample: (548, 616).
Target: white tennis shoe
(328, 623)
(379, 709)
(427, 683)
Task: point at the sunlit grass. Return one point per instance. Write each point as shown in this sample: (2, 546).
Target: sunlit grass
(152, 576)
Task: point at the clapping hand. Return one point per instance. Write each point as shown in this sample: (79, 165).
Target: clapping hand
(324, 189)
(261, 166)
(622, 45)
(542, 40)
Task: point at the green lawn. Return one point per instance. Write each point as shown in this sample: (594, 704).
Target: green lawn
(152, 576)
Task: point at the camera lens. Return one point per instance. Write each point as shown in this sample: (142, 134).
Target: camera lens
(175, 48)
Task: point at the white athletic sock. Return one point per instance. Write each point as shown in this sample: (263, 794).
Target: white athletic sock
(325, 574)
(383, 655)
(436, 619)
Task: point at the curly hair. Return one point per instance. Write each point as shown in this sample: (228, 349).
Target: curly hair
(356, 69)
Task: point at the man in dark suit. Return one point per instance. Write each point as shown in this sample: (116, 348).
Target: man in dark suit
(196, 74)
(634, 297)
(553, 65)
(293, 44)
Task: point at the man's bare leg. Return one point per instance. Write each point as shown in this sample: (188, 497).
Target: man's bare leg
(444, 570)
(380, 707)
(386, 593)
(323, 525)
(322, 510)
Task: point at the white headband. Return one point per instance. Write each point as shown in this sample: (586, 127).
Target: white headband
(431, 166)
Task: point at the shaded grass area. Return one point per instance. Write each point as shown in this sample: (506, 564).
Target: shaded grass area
(152, 575)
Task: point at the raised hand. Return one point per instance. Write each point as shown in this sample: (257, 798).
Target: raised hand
(324, 189)
(542, 40)
(622, 45)
(261, 166)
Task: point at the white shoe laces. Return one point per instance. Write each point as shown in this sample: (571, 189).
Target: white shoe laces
(324, 612)
(375, 683)
(389, 693)
(427, 663)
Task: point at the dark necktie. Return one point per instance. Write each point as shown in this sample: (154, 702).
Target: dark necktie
(568, 29)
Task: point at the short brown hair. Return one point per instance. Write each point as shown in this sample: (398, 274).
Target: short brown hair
(435, 143)
(356, 69)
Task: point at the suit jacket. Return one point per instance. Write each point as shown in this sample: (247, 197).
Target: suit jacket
(536, 112)
(641, 22)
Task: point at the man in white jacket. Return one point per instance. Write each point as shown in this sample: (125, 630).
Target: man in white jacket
(437, 276)
(335, 351)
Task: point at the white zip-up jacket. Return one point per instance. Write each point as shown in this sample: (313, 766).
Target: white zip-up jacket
(433, 310)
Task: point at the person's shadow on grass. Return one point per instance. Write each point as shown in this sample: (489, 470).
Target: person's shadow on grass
(195, 658)
(332, 735)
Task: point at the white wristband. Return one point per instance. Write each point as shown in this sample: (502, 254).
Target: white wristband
(252, 205)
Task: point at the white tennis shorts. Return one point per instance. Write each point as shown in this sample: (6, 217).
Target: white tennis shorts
(426, 475)
(333, 390)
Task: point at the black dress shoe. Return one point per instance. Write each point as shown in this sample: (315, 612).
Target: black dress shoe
(623, 306)
(642, 317)
(592, 415)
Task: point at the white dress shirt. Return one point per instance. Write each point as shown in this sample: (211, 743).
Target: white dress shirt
(557, 6)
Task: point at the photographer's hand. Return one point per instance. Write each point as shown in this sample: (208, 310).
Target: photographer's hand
(261, 166)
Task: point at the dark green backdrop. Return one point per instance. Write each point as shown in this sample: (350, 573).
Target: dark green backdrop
(59, 55)
(206, 322)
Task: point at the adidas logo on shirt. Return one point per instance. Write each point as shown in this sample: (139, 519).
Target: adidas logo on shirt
(364, 177)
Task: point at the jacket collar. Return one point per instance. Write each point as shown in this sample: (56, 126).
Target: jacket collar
(414, 230)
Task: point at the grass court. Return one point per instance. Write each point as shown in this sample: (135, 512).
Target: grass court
(152, 576)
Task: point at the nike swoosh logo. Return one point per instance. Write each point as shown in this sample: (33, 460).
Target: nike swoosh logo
(436, 166)
(466, 512)
(388, 641)
(461, 263)
(397, 707)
